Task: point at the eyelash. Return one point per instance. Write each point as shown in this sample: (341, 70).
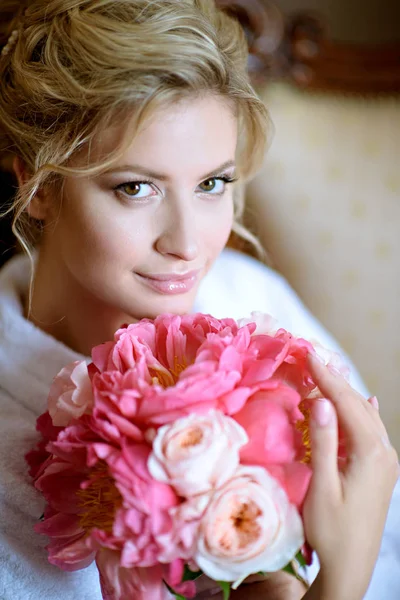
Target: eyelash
(119, 188)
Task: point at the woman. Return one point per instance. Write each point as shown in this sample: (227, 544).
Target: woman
(131, 122)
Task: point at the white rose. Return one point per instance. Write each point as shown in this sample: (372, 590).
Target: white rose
(265, 324)
(332, 359)
(197, 453)
(249, 526)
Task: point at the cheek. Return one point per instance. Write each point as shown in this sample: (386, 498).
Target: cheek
(218, 228)
(94, 236)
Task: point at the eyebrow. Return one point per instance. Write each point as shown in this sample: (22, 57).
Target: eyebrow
(162, 177)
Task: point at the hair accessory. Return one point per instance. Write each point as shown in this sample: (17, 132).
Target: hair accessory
(12, 40)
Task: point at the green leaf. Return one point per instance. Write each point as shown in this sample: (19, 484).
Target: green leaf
(301, 560)
(189, 575)
(177, 596)
(289, 569)
(226, 588)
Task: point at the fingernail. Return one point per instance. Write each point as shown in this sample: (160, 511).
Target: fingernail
(374, 402)
(322, 412)
(333, 371)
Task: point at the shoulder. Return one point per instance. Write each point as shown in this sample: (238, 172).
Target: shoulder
(235, 265)
(240, 284)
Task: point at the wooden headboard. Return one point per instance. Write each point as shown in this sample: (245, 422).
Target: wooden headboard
(299, 49)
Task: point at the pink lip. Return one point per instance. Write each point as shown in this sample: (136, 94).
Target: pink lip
(171, 284)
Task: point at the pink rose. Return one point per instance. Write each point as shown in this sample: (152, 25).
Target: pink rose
(248, 526)
(70, 394)
(197, 453)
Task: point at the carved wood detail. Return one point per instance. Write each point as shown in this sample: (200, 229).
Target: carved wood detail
(298, 49)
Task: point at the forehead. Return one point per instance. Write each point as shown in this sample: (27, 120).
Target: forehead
(194, 134)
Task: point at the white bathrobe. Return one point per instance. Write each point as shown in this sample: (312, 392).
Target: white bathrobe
(29, 359)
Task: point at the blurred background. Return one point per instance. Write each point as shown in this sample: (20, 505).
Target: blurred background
(326, 204)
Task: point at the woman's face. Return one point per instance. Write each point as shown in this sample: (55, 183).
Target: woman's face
(139, 238)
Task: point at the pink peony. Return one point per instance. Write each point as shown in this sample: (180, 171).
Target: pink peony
(101, 497)
(39, 455)
(117, 397)
(142, 525)
(168, 344)
(197, 453)
(119, 583)
(280, 357)
(184, 441)
(61, 479)
(68, 549)
(156, 372)
(70, 395)
(269, 419)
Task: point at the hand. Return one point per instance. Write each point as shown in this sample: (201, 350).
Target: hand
(278, 586)
(345, 511)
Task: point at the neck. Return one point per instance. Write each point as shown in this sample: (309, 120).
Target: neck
(63, 309)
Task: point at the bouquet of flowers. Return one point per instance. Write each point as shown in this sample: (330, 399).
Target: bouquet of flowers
(180, 450)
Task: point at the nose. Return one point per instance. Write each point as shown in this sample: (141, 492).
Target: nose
(178, 236)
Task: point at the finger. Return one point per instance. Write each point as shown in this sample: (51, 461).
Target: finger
(206, 587)
(373, 401)
(350, 406)
(374, 408)
(324, 448)
(280, 586)
(331, 381)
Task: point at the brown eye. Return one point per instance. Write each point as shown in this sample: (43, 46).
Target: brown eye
(208, 185)
(137, 189)
(132, 189)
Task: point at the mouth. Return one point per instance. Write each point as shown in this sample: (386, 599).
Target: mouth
(172, 283)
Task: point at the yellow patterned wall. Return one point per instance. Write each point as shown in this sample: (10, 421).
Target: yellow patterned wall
(329, 196)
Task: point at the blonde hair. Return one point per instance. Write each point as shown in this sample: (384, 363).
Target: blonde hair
(77, 65)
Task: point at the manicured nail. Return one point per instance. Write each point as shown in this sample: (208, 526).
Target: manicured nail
(374, 402)
(334, 371)
(322, 412)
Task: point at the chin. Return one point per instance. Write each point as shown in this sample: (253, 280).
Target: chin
(176, 305)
